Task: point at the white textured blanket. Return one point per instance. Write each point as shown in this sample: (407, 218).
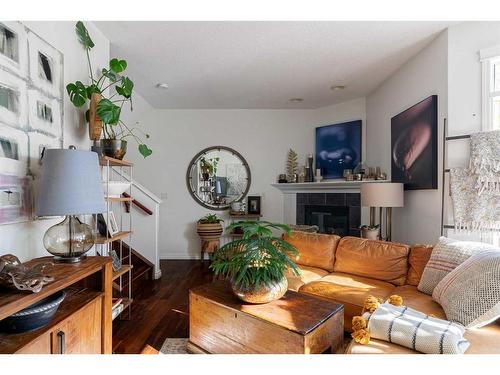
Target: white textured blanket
(410, 328)
(472, 211)
(475, 191)
(485, 160)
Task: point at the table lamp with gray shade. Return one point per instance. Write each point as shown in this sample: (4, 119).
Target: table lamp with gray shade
(70, 185)
(383, 195)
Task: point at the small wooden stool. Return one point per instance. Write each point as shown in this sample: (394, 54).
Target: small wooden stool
(208, 247)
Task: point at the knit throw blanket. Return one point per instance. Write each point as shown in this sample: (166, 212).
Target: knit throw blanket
(415, 330)
(475, 191)
(485, 161)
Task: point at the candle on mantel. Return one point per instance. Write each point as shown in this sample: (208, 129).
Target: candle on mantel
(318, 175)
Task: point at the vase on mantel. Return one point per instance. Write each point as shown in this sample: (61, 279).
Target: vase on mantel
(309, 169)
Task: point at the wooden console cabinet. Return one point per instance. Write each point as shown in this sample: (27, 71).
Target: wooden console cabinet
(82, 324)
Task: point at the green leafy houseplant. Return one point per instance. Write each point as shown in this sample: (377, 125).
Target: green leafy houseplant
(370, 227)
(109, 108)
(258, 259)
(370, 232)
(210, 219)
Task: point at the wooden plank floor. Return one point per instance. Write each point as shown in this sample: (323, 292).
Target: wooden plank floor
(160, 308)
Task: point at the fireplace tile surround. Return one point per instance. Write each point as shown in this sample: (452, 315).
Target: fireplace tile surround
(351, 201)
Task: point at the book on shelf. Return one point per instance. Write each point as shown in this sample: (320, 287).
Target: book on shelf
(116, 311)
(115, 302)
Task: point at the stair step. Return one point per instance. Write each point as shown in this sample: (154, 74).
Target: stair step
(139, 271)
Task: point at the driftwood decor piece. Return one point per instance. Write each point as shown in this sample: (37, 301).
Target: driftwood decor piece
(291, 166)
(14, 273)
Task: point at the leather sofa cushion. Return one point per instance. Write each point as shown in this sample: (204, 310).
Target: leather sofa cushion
(419, 301)
(419, 256)
(349, 290)
(315, 250)
(307, 275)
(386, 261)
(482, 341)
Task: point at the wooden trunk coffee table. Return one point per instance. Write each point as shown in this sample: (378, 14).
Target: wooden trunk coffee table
(297, 324)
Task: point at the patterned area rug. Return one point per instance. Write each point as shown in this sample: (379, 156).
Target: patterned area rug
(178, 346)
(174, 346)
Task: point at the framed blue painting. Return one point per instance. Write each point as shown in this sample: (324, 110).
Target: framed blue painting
(338, 147)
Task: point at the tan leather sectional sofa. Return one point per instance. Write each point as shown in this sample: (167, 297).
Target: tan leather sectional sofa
(349, 269)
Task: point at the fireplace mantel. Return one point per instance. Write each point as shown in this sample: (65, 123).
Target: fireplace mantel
(323, 187)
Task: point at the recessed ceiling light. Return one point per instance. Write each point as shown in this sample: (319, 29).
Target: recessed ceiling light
(337, 87)
(162, 85)
(296, 100)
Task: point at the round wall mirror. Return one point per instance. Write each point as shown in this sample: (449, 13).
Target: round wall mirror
(218, 176)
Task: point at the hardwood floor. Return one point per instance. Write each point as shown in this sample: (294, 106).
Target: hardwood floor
(160, 308)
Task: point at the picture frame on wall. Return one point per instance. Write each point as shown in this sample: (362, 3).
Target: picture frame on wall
(414, 151)
(253, 205)
(31, 113)
(338, 147)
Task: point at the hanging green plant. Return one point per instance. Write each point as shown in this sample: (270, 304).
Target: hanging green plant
(109, 108)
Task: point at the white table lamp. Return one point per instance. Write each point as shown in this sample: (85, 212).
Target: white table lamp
(384, 195)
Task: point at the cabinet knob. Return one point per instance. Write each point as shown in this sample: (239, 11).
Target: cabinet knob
(62, 342)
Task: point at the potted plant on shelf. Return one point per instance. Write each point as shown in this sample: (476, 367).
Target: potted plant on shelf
(370, 232)
(105, 109)
(209, 228)
(257, 263)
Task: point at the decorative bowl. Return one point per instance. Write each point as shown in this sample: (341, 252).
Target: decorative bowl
(115, 148)
(33, 317)
(263, 294)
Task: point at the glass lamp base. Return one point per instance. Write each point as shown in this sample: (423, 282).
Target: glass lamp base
(69, 240)
(76, 259)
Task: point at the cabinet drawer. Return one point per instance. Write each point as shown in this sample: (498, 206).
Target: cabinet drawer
(41, 345)
(80, 333)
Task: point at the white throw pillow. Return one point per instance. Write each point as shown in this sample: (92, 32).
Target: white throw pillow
(470, 294)
(446, 256)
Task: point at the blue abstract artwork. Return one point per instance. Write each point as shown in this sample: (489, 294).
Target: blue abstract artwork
(338, 147)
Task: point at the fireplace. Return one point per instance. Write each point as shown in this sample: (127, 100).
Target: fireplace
(329, 219)
(333, 213)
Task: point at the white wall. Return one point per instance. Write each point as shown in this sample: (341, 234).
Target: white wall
(347, 111)
(25, 239)
(465, 40)
(263, 137)
(423, 75)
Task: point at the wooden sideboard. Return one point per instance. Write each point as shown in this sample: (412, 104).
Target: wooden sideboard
(82, 324)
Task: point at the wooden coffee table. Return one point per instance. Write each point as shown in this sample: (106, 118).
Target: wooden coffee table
(297, 324)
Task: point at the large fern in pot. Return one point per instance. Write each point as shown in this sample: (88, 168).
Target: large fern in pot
(257, 263)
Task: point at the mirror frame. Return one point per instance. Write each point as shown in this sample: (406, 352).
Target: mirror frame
(193, 162)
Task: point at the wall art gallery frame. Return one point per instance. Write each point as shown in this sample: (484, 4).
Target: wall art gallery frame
(414, 145)
(338, 147)
(31, 114)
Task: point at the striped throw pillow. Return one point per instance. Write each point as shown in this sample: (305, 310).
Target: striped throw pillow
(470, 294)
(446, 256)
(415, 330)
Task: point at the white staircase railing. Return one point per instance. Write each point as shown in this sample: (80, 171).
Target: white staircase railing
(145, 239)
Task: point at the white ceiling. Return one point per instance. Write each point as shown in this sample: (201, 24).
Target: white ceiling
(263, 64)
